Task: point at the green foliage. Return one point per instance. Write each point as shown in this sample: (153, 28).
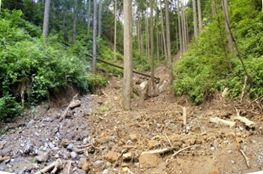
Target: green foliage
(9, 108)
(208, 67)
(95, 81)
(29, 66)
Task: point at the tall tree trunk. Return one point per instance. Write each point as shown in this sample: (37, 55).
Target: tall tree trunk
(213, 8)
(180, 27)
(148, 39)
(195, 19)
(139, 34)
(100, 18)
(75, 17)
(200, 23)
(46, 20)
(230, 42)
(152, 47)
(127, 76)
(0, 5)
(94, 50)
(89, 14)
(164, 36)
(168, 39)
(115, 29)
(183, 29)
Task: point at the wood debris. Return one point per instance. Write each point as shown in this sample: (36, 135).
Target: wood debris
(220, 121)
(53, 167)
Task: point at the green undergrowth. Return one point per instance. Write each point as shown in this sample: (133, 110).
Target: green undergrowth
(208, 67)
(29, 67)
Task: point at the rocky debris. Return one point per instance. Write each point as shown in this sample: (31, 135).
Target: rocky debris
(74, 104)
(149, 160)
(127, 156)
(112, 156)
(42, 157)
(98, 163)
(74, 155)
(85, 165)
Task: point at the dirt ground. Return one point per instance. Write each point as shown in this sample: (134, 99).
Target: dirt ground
(160, 135)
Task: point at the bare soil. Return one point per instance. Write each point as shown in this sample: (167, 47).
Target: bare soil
(99, 137)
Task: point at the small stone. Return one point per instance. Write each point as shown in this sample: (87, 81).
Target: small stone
(42, 157)
(233, 162)
(133, 137)
(70, 147)
(127, 170)
(74, 155)
(85, 165)
(86, 140)
(149, 160)
(106, 171)
(98, 163)
(127, 156)
(112, 156)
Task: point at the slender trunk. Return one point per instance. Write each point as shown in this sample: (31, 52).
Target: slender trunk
(230, 41)
(152, 46)
(100, 18)
(74, 34)
(183, 30)
(115, 29)
(89, 14)
(127, 76)
(180, 28)
(195, 19)
(94, 50)
(148, 38)
(200, 23)
(213, 8)
(0, 5)
(139, 34)
(163, 36)
(168, 39)
(46, 20)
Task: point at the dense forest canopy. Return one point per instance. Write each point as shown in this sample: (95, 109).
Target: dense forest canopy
(208, 45)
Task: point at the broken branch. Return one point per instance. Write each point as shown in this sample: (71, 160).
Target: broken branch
(220, 121)
(55, 166)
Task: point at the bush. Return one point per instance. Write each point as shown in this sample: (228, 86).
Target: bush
(9, 108)
(208, 67)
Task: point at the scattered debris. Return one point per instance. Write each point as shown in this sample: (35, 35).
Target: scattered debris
(149, 160)
(245, 157)
(220, 121)
(244, 120)
(53, 167)
(112, 156)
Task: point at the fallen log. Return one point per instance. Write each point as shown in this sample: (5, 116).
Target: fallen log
(68, 107)
(53, 167)
(134, 71)
(244, 120)
(220, 121)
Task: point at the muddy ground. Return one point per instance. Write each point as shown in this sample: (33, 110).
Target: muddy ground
(99, 137)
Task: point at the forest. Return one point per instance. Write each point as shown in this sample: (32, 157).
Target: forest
(131, 86)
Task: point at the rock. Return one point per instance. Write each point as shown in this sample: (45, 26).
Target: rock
(149, 160)
(126, 170)
(106, 171)
(152, 144)
(112, 156)
(86, 140)
(98, 163)
(75, 104)
(127, 156)
(29, 148)
(133, 137)
(42, 157)
(85, 165)
(70, 147)
(74, 155)
(214, 171)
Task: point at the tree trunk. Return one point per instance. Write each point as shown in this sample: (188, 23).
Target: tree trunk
(115, 29)
(164, 37)
(0, 5)
(100, 18)
(94, 50)
(213, 8)
(168, 39)
(46, 20)
(230, 41)
(195, 19)
(148, 38)
(89, 14)
(200, 23)
(74, 34)
(127, 76)
(152, 47)
(180, 28)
